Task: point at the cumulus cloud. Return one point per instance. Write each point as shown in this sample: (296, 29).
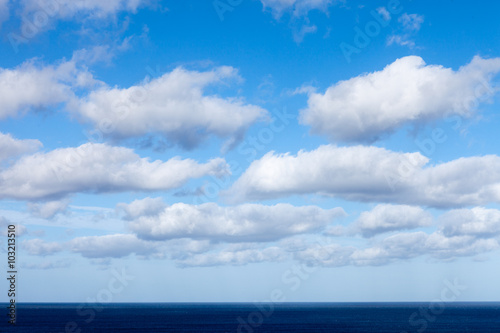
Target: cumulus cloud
(174, 106)
(478, 221)
(364, 108)
(112, 246)
(248, 222)
(385, 218)
(98, 168)
(39, 247)
(371, 174)
(142, 207)
(48, 210)
(34, 87)
(10, 147)
(297, 7)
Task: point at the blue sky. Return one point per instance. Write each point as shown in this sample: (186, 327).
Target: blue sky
(222, 150)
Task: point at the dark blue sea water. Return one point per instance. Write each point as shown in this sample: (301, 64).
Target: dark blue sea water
(249, 318)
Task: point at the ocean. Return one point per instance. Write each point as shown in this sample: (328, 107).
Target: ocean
(250, 318)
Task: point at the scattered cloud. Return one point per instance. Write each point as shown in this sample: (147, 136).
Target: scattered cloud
(81, 10)
(38, 247)
(235, 258)
(410, 25)
(370, 174)
(411, 22)
(245, 223)
(384, 218)
(384, 13)
(367, 107)
(296, 7)
(174, 106)
(478, 221)
(34, 87)
(48, 210)
(10, 147)
(113, 246)
(98, 168)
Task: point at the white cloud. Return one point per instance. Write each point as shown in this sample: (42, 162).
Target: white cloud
(142, 207)
(402, 246)
(235, 258)
(364, 108)
(39, 247)
(10, 147)
(352, 172)
(98, 168)
(384, 218)
(368, 173)
(248, 222)
(93, 9)
(48, 210)
(173, 105)
(402, 40)
(298, 7)
(32, 87)
(478, 221)
(113, 246)
(411, 22)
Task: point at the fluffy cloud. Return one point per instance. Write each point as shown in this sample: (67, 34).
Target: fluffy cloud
(298, 7)
(34, 87)
(249, 222)
(113, 246)
(478, 221)
(174, 106)
(98, 168)
(384, 218)
(39, 247)
(364, 108)
(371, 174)
(10, 147)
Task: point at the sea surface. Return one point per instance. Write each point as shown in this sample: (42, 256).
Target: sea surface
(249, 318)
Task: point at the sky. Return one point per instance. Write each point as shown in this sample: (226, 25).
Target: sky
(235, 150)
